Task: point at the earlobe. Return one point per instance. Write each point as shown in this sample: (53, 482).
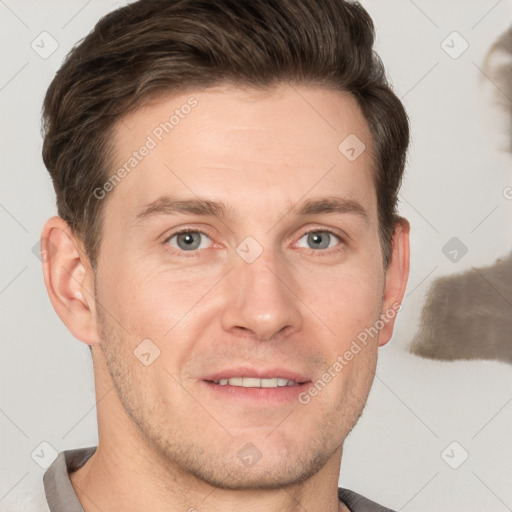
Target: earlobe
(397, 275)
(69, 280)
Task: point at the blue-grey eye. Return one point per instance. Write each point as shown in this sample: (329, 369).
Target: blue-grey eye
(187, 240)
(320, 239)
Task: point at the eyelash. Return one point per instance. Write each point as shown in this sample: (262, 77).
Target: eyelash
(197, 251)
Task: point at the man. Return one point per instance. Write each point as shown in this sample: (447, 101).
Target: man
(228, 246)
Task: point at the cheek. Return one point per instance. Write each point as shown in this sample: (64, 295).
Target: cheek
(347, 300)
(150, 299)
(147, 300)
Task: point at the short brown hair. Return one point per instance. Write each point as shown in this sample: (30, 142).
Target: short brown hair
(155, 47)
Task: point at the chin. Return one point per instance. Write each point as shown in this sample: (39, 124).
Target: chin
(243, 466)
(267, 477)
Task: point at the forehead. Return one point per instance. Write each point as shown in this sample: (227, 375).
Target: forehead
(246, 146)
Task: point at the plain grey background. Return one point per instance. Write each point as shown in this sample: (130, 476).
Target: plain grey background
(401, 450)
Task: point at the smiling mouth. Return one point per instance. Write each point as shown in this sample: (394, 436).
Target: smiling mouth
(254, 382)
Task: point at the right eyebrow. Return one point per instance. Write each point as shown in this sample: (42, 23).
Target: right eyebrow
(168, 206)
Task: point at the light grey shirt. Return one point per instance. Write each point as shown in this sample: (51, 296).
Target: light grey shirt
(61, 495)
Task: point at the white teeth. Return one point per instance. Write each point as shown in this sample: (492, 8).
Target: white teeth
(269, 383)
(252, 382)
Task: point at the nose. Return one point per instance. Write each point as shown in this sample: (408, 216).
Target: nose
(261, 298)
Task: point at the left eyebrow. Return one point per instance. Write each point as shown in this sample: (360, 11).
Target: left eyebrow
(166, 205)
(333, 204)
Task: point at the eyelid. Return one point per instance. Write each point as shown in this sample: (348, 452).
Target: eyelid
(325, 229)
(185, 229)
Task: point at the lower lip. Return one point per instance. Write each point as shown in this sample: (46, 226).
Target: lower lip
(266, 396)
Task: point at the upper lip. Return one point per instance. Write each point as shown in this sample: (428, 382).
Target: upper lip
(258, 373)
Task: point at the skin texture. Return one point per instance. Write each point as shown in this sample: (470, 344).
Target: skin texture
(166, 440)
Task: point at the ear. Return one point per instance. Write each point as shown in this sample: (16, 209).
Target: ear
(69, 279)
(396, 279)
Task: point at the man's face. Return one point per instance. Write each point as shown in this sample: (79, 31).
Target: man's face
(249, 292)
